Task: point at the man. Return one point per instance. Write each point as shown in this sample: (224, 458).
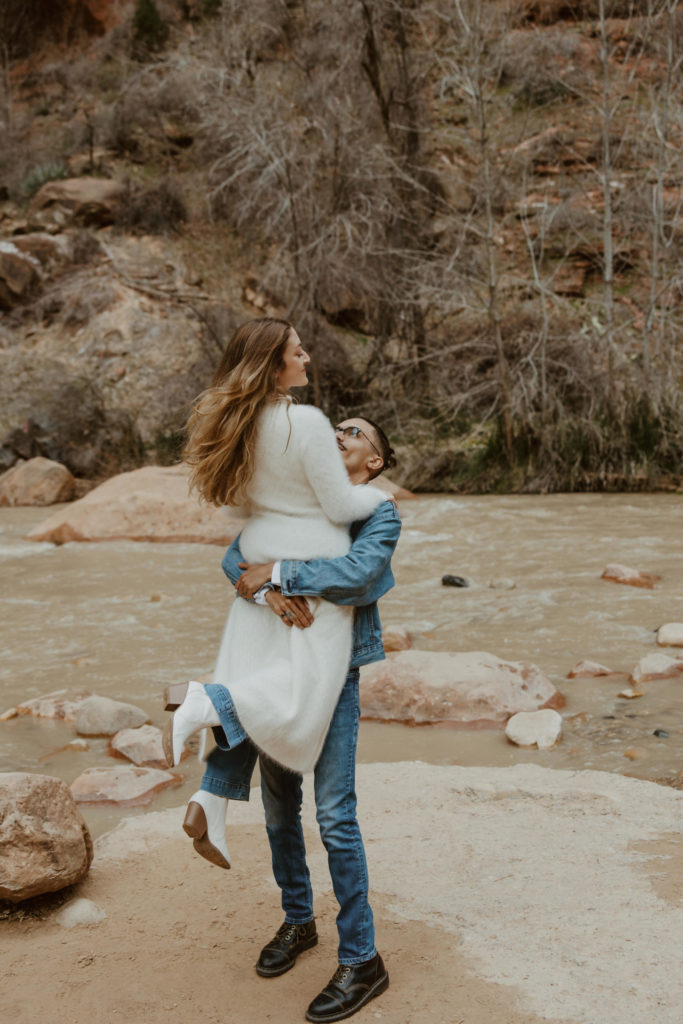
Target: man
(358, 579)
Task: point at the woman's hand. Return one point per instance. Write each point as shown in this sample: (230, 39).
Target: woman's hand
(294, 611)
(253, 578)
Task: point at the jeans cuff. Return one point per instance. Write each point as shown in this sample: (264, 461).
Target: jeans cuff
(219, 787)
(225, 709)
(354, 961)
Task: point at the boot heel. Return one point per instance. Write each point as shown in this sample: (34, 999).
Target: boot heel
(195, 824)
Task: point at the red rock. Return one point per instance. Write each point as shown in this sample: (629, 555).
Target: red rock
(88, 200)
(396, 638)
(148, 504)
(588, 670)
(126, 786)
(472, 689)
(45, 844)
(60, 704)
(38, 481)
(49, 251)
(616, 573)
(142, 746)
(657, 666)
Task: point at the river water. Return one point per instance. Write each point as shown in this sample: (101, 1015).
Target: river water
(124, 619)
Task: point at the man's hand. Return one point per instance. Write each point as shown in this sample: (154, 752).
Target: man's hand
(253, 578)
(293, 611)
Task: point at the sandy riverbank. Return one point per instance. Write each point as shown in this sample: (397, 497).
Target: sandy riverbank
(502, 896)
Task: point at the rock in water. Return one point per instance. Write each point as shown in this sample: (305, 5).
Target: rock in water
(101, 716)
(469, 688)
(60, 704)
(656, 666)
(36, 482)
(588, 670)
(45, 844)
(540, 729)
(670, 635)
(142, 746)
(616, 573)
(454, 581)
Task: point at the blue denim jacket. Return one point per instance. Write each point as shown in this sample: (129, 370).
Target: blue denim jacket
(359, 578)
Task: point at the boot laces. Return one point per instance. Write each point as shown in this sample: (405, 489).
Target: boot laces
(341, 974)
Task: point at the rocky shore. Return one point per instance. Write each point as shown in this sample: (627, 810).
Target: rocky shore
(502, 896)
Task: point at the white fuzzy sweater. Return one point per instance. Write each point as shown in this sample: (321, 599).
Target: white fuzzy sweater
(285, 682)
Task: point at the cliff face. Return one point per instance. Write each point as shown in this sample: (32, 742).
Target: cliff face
(478, 232)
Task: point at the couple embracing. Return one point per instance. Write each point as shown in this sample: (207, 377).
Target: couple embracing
(309, 566)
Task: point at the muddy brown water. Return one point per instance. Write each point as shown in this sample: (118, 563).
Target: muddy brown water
(124, 619)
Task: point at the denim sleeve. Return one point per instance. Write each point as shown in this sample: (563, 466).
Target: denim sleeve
(349, 579)
(231, 560)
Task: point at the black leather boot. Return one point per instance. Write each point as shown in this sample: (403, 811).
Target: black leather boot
(281, 952)
(348, 990)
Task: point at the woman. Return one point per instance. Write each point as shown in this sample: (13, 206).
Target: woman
(250, 446)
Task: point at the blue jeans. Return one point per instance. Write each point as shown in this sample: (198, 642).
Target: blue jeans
(228, 773)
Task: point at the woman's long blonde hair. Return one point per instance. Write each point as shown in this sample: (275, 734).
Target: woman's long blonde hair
(222, 427)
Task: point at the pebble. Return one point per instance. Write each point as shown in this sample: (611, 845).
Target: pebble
(662, 733)
(635, 753)
(630, 693)
(10, 713)
(454, 581)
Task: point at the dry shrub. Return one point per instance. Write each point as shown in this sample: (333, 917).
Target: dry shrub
(159, 210)
(538, 66)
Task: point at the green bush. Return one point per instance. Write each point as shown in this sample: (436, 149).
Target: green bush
(42, 173)
(150, 31)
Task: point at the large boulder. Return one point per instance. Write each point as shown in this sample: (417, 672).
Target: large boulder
(86, 201)
(102, 716)
(36, 482)
(148, 504)
(60, 704)
(127, 786)
(45, 844)
(472, 689)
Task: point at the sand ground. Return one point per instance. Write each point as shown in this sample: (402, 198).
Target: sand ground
(502, 896)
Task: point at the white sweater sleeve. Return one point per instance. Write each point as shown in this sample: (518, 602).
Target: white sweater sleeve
(341, 501)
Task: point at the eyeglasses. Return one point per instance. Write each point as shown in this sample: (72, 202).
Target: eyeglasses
(354, 432)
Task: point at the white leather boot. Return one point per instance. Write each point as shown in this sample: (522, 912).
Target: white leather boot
(196, 712)
(205, 823)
